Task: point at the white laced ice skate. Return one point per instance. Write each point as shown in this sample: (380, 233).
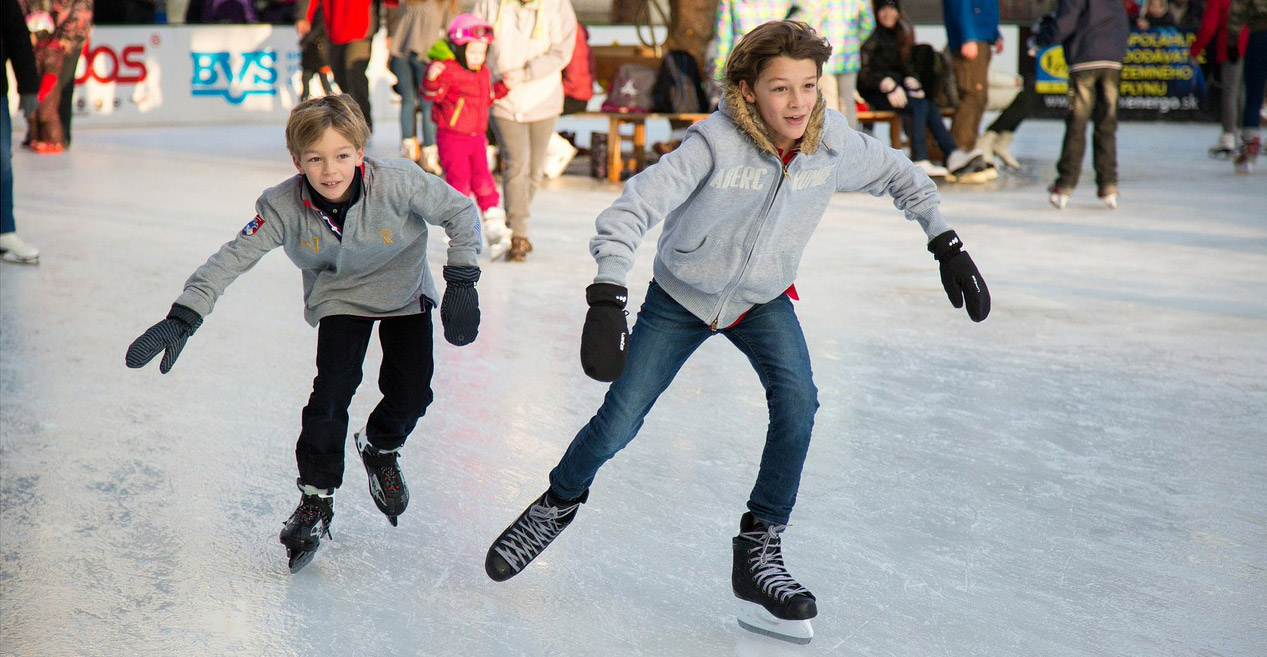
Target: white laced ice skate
(13, 249)
(429, 159)
(496, 233)
(1226, 147)
(1059, 197)
(409, 149)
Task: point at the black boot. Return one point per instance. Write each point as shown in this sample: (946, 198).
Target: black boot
(529, 535)
(387, 485)
(771, 602)
(310, 521)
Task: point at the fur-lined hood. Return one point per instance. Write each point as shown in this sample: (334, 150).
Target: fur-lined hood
(748, 119)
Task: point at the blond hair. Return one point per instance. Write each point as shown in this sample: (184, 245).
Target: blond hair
(309, 120)
(781, 38)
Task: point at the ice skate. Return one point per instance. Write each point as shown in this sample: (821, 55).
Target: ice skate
(1248, 154)
(529, 535)
(770, 601)
(310, 521)
(409, 149)
(429, 159)
(933, 170)
(969, 167)
(13, 249)
(1003, 151)
(496, 232)
(387, 485)
(1225, 149)
(1059, 196)
(1108, 194)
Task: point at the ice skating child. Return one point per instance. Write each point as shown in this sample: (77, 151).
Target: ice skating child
(461, 90)
(740, 199)
(357, 229)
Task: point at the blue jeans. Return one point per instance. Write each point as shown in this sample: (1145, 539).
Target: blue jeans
(663, 337)
(7, 225)
(922, 113)
(409, 72)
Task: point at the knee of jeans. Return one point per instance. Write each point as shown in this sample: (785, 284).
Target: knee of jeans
(799, 398)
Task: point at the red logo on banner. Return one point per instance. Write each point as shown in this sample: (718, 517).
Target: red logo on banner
(104, 64)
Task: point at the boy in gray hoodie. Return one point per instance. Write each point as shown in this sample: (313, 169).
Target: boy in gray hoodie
(740, 199)
(357, 229)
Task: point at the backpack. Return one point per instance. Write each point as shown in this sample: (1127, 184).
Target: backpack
(678, 86)
(936, 73)
(630, 90)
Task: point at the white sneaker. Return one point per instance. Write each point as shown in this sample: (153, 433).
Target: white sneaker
(933, 170)
(409, 149)
(13, 249)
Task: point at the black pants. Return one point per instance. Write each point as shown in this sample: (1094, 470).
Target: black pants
(404, 379)
(349, 63)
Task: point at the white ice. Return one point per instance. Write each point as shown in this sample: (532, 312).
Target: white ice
(1082, 474)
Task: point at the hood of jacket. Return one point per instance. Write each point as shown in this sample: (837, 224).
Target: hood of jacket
(748, 119)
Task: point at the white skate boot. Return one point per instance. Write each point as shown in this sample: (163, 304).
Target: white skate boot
(429, 159)
(496, 232)
(13, 249)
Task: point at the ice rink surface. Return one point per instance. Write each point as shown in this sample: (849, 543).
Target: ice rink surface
(1081, 475)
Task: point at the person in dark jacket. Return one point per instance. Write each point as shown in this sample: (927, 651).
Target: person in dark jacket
(15, 46)
(1093, 34)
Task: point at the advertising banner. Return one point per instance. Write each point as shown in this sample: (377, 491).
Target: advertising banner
(1160, 80)
(165, 75)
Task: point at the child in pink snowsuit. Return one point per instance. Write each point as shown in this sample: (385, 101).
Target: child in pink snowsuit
(461, 89)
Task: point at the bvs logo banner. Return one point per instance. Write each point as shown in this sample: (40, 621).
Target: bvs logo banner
(234, 76)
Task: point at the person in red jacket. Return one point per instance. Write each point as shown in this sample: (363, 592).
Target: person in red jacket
(461, 90)
(350, 27)
(1228, 52)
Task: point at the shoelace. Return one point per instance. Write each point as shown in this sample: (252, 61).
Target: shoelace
(529, 538)
(388, 473)
(307, 515)
(765, 559)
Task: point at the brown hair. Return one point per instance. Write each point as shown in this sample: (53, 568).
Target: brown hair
(788, 38)
(309, 120)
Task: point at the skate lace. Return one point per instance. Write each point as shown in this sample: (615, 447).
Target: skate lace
(765, 560)
(308, 514)
(527, 540)
(386, 471)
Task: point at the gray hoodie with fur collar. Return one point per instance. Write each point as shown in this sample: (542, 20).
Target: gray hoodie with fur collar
(736, 219)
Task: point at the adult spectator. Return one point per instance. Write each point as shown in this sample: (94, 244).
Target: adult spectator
(350, 26)
(15, 46)
(972, 27)
(1093, 34)
(420, 24)
(578, 75)
(532, 43)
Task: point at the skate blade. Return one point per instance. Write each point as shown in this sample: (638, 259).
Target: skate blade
(9, 256)
(392, 520)
(299, 558)
(754, 618)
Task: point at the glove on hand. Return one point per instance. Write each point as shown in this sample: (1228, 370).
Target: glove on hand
(460, 307)
(168, 335)
(894, 92)
(959, 275)
(913, 88)
(605, 338)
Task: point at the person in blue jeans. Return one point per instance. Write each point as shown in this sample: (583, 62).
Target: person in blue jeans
(15, 46)
(740, 199)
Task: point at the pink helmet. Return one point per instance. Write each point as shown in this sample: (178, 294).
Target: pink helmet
(466, 28)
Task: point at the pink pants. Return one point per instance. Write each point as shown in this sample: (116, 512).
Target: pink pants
(464, 158)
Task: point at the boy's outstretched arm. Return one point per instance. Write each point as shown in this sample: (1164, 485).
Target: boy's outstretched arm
(442, 205)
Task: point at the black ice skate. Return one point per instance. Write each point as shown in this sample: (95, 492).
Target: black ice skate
(531, 532)
(387, 485)
(770, 601)
(310, 521)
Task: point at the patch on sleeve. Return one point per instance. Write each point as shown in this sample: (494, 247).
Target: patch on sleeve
(252, 226)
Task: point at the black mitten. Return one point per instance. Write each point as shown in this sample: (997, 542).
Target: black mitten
(460, 307)
(168, 335)
(964, 284)
(605, 338)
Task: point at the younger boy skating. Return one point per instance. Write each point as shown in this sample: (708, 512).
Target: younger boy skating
(357, 229)
(740, 199)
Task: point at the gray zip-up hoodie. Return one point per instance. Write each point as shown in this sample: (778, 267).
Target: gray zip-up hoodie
(736, 220)
(378, 269)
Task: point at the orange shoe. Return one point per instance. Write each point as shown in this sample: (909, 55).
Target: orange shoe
(46, 147)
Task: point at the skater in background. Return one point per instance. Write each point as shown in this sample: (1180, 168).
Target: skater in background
(1093, 34)
(764, 167)
(460, 90)
(846, 24)
(534, 42)
(350, 28)
(358, 230)
(57, 51)
(314, 59)
(1229, 52)
(1251, 16)
(972, 29)
(15, 46)
(420, 24)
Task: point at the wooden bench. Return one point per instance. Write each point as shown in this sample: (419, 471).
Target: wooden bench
(636, 135)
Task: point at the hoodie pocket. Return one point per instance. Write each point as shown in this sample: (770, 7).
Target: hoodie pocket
(701, 267)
